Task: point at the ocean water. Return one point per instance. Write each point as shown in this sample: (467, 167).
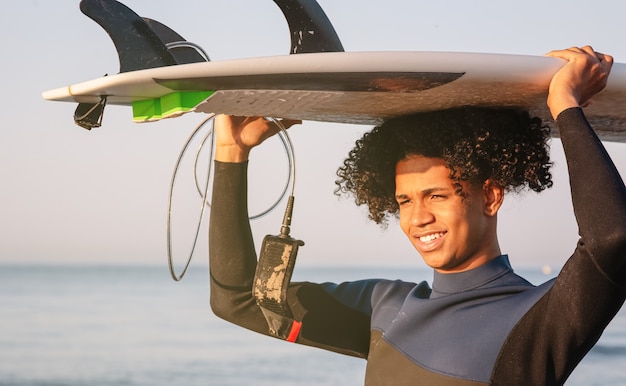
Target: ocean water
(122, 325)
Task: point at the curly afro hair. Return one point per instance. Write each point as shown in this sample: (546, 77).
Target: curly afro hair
(506, 146)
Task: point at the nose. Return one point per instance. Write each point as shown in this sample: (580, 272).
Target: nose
(421, 215)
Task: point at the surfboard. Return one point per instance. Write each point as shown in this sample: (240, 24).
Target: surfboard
(318, 81)
(347, 87)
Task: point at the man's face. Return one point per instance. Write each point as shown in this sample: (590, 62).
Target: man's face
(451, 233)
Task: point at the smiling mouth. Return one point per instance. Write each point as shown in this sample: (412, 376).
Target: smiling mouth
(431, 237)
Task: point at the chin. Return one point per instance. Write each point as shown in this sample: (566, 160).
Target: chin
(435, 260)
(441, 266)
(445, 266)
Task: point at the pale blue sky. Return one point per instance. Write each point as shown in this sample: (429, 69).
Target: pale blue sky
(78, 196)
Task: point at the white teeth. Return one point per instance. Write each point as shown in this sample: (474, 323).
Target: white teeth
(430, 237)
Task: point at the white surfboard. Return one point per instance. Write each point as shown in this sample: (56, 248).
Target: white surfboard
(347, 87)
(161, 76)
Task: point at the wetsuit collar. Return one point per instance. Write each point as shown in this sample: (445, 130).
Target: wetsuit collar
(450, 283)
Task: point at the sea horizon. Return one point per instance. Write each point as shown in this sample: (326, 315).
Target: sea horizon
(133, 325)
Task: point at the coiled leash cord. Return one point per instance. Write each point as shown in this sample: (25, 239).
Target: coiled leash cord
(203, 190)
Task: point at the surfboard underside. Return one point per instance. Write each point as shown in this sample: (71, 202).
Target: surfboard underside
(354, 88)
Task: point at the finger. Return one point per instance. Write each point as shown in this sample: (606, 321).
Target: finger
(606, 61)
(604, 57)
(561, 54)
(282, 123)
(568, 53)
(585, 53)
(588, 50)
(287, 123)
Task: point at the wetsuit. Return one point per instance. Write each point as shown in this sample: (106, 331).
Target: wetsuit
(479, 327)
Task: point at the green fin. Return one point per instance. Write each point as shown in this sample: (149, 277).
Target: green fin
(170, 105)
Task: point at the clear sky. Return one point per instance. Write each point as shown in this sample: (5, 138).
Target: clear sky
(69, 195)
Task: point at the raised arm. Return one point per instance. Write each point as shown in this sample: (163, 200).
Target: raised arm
(598, 193)
(232, 254)
(326, 321)
(589, 290)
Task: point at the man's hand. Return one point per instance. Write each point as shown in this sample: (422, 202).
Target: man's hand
(236, 136)
(585, 74)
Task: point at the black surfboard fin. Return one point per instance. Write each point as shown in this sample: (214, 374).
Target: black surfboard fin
(182, 50)
(138, 46)
(141, 43)
(311, 30)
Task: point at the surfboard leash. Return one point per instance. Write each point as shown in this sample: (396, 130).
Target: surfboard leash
(203, 191)
(203, 194)
(277, 259)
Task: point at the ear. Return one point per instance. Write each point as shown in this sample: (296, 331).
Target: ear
(493, 196)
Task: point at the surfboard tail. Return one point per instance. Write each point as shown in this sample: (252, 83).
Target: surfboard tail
(141, 43)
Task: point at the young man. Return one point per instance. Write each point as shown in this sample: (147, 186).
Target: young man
(479, 323)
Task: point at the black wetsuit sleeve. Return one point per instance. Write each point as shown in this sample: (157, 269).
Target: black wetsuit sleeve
(327, 322)
(598, 196)
(552, 338)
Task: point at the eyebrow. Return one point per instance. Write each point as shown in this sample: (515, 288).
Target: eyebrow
(424, 192)
(401, 196)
